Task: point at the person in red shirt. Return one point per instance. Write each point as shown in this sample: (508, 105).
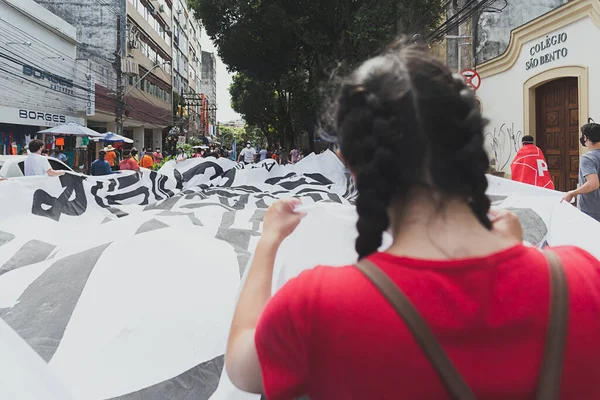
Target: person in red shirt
(411, 134)
(530, 166)
(128, 163)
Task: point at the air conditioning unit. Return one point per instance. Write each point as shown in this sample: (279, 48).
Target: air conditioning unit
(130, 67)
(161, 8)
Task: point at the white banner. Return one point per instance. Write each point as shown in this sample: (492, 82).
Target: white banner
(126, 284)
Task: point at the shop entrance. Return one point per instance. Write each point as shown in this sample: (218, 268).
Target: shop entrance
(557, 130)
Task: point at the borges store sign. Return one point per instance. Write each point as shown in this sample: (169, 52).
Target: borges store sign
(24, 116)
(57, 83)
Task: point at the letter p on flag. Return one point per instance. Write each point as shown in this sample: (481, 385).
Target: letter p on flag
(542, 166)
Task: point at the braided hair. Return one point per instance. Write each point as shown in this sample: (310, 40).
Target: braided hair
(402, 120)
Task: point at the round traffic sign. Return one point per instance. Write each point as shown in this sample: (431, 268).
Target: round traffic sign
(472, 78)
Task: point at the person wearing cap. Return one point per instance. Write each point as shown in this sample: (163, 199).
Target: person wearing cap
(128, 163)
(588, 192)
(530, 166)
(111, 157)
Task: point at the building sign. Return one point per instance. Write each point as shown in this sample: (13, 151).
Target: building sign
(90, 86)
(57, 83)
(547, 51)
(25, 116)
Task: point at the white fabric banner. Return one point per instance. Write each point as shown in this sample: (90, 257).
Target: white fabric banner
(125, 285)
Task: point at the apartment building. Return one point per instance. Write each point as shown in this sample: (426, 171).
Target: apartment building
(127, 45)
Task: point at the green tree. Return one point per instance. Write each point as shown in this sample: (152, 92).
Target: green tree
(285, 50)
(242, 135)
(256, 101)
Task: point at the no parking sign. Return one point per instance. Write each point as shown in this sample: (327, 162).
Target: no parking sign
(472, 78)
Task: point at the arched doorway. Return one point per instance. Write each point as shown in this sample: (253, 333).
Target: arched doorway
(557, 130)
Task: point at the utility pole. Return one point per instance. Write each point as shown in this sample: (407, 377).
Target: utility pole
(120, 92)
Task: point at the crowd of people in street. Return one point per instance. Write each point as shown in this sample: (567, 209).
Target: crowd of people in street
(249, 155)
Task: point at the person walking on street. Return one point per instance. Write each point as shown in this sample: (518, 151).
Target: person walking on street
(36, 164)
(100, 166)
(588, 193)
(529, 165)
(158, 157)
(135, 155)
(263, 153)
(111, 157)
(128, 163)
(457, 307)
(294, 155)
(247, 154)
(147, 161)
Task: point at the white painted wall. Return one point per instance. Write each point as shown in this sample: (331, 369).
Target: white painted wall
(502, 94)
(32, 35)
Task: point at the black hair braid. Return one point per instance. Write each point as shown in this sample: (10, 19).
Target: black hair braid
(361, 113)
(470, 161)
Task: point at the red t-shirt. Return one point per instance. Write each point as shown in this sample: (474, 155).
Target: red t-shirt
(129, 164)
(330, 334)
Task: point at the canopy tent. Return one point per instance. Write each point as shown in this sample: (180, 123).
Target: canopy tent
(72, 129)
(113, 138)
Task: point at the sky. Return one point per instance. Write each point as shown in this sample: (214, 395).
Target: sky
(224, 111)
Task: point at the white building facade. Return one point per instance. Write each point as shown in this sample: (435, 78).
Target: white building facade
(42, 83)
(547, 85)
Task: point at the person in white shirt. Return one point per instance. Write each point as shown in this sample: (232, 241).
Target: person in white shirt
(263, 154)
(36, 163)
(248, 153)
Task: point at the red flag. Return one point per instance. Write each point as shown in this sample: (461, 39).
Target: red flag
(529, 166)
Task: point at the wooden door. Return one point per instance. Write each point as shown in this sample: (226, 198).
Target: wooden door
(557, 130)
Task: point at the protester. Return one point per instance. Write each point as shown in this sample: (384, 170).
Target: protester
(247, 154)
(111, 157)
(36, 164)
(147, 160)
(134, 155)
(128, 163)
(412, 136)
(59, 155)
(530, 166)
(100, 166)
(263, 154)
(181, 156)
(158, 157)
(197, 153)
(294, 155)
(45, 152)
(588, 194)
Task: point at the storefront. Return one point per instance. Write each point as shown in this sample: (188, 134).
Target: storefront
(546, 85)
(18, 126)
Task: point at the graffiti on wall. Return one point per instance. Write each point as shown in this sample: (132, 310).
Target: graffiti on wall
(504, 143)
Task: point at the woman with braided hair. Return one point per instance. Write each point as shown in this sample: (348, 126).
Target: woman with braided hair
(411, 134)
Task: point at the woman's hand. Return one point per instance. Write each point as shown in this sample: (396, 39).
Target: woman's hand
(281, 220)
(506, 224)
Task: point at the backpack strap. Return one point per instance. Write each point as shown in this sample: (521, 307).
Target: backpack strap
(551, 371)
(430, 346)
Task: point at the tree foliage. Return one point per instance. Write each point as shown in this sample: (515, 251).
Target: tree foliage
(283, 51)
(242, 135)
